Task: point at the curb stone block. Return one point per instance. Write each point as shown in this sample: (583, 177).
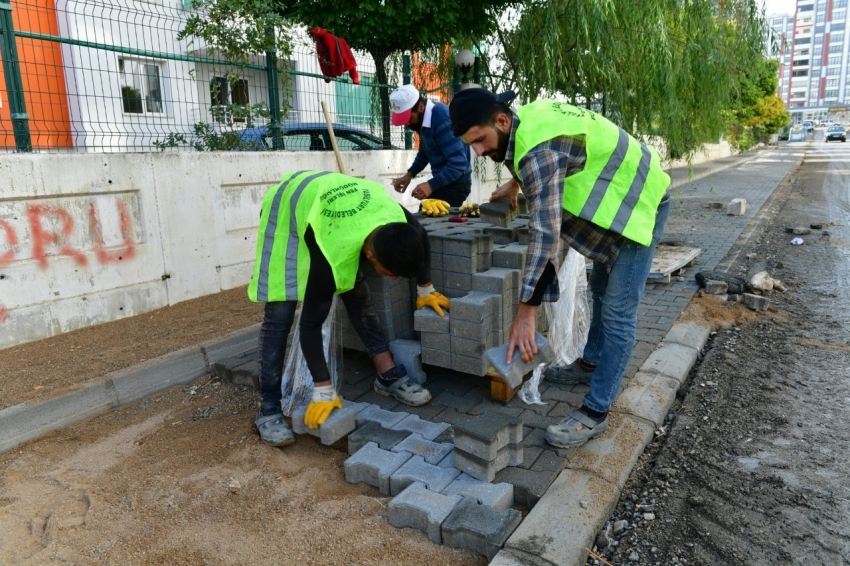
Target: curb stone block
(420, 508)
(716, 287)
(385, 438)
(648, 396)
(431, 452)
(479, 527)
(737, 207)
(688, 334)
(754, 302)
(485, 470)
(426, 429)
(577, 525)
(409, 353)
(613, 455)
(484, 436)
(414, 469)
(378, 415)
(499, 496)
(374, 466)
(673, 360)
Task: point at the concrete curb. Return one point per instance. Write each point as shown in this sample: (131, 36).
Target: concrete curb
(575, 507)
(24, 422)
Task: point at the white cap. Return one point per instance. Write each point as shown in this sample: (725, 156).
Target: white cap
(402, 101)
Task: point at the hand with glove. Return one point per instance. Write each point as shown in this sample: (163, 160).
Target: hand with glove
(427, 296)
(324, 401)
(435, 207)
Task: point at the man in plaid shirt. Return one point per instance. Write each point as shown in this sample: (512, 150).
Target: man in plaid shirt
(570, 158)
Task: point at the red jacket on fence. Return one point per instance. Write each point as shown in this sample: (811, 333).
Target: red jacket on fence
(335, 56)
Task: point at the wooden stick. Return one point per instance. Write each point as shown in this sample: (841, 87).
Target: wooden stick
(596, 556)
(333, 138)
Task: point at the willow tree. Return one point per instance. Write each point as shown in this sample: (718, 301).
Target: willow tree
(663, 68)
(379, 27)
(757, 111)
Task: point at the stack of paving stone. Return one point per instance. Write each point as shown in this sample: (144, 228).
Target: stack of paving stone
(487, 444)
(414, 461)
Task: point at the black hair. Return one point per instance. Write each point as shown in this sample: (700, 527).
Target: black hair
(488, 118)
(399, 248)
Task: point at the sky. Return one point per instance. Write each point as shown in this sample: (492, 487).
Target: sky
(779, 6)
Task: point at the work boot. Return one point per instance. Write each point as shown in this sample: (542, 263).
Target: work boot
(577, 428)
(273, 430)
(576, 372)
(396, 383)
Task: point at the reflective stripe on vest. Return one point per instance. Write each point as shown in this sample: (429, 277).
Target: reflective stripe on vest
(621, 183)
(341, 210)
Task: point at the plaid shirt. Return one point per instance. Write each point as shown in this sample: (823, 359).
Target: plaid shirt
(541, 175)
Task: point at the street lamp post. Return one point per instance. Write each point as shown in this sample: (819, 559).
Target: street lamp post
(465, 61)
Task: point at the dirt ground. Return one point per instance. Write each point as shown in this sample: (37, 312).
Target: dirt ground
(751, 467)
(180, 478)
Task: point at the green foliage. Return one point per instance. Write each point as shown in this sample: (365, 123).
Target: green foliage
(658, 68)
(757, 112)
(224, 134)
(380, 27)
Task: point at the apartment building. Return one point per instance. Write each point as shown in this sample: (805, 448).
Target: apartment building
(814, 63)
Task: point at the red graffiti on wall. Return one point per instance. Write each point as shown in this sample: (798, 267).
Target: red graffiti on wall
(43, 239)
(11, 239)
(129, 249)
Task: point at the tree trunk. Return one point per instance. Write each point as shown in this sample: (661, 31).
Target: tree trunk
(381, 76)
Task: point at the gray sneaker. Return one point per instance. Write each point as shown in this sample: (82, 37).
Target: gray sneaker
(572, 373)
(576, 429)
(273, 430)
(404, 391)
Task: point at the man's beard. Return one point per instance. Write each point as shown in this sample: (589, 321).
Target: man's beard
(498, 154)
(416, 126)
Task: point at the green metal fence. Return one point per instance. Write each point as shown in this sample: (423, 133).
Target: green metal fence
(95, 76)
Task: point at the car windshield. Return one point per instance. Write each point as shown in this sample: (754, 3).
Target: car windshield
(836, 129)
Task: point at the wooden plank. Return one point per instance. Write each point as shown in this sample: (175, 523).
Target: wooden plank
(668, 259)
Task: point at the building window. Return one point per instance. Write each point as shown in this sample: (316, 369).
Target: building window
(141, 86)
(838, 15)
(831, 94)
(808, 8)
(225, 91)
(800, 74)
(834, 60)
(817, 51)
(831, 83)
(819, 40)
(833, 71)
(799, 94)
(801, 62)
(802, 41)
(839, 4)
(837, 26)
(836, 38)
(820, 18)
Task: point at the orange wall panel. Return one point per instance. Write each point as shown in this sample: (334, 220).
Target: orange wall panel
(43, 80)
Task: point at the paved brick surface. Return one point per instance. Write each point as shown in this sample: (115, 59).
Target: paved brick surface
(420, 508)
(479, 527)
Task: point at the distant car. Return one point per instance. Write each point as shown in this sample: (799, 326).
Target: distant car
(827, 123)
(808, 125)
(835, 132)
(312, 136)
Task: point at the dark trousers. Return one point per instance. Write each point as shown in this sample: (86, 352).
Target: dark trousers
(277, 322)
(453, 193)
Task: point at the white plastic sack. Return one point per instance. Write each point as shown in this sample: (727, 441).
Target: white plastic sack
(530, 392)
(569, 317)
(297, 382)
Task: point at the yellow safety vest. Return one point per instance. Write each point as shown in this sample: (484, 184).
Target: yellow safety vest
(622, 182)
(342, 211)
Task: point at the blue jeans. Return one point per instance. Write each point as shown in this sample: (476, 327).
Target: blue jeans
(616, 298)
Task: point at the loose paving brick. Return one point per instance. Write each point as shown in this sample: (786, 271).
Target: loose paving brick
(479, 527)
(499, 496)
(409, 354)
(426, 429)
(498, 213)
(420, 508)
(427, 320)
(380, 416)
(414, 469)
(514, 372)
(485, 470)
(339, 423)
(484, 436)
(431, 452)
(374, 466)
(384, 437)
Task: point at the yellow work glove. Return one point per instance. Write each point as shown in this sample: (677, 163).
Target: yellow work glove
(429, 297)
(435, 207)
(324, 401)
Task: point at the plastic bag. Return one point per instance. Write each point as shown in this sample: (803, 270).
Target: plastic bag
(569, 317)
(297, 383)
(530, 392)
